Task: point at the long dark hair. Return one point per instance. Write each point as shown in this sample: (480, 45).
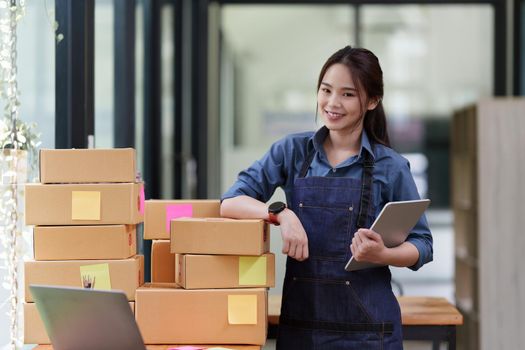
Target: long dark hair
(368, 78)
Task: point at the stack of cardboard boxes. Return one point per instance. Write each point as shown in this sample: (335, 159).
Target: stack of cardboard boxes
(157, 221)
(222, 270)
(85, 210)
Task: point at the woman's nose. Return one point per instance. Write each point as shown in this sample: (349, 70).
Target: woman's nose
(334, 100)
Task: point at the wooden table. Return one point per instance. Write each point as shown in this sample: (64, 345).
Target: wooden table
(423, 318)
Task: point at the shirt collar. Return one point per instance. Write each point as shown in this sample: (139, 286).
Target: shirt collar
(365, 144)
(320, 135)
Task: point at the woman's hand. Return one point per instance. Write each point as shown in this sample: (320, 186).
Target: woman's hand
(368, 245)
(295, 241)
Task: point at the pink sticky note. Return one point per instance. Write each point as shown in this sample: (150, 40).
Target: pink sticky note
(142, 199)
(174, 211)
(189, 347)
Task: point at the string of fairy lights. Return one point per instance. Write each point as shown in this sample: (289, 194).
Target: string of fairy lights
(10, 13)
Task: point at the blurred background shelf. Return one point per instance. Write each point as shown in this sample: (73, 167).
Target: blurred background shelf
(487, 165)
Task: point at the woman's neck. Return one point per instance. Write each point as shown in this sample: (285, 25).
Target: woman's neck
(344, 141)
(340, 145)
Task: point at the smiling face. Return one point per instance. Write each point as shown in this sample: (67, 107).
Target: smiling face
(338, 100)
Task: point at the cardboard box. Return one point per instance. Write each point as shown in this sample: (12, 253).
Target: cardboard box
(225, 271)
(87, 165)
(162, 262)
(170, 315)
(204, 346)
(126, 275)
(84, 204)
(171, 346)
(159, 213)
(34, 329)
(219, 236)
(84, 242)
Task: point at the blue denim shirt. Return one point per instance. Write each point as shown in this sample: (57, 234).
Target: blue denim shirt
(281, 165)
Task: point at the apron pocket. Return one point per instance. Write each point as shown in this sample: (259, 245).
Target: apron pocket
(328, 230)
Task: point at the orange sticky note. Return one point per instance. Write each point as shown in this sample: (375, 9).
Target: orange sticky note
(85, 205)
(242, 309)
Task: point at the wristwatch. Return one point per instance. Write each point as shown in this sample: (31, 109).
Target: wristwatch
(273, 210)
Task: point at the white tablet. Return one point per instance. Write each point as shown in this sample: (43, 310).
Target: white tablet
(393, 223)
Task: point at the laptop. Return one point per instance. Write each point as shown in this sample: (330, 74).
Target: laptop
(393, 223)
(87, 319)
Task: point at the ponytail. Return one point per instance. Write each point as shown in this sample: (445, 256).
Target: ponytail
(375, 125)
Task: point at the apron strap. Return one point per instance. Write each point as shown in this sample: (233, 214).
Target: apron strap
(306, 165)
(380, 327)
(366, 191)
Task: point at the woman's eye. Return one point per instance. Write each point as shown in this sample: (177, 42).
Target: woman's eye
(348, 94)
(325, 90)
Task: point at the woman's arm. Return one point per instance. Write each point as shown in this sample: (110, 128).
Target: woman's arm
(244, 207)
(295, 241)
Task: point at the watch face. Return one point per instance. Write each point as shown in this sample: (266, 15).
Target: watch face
(276, 207)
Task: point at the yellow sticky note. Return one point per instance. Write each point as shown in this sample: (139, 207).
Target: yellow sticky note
(85, 205)
(242, 309)
(95, 276)
(252, 270)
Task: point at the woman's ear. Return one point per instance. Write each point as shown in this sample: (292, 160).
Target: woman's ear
(373, 102)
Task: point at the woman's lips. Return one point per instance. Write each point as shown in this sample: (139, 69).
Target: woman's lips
(333, 115)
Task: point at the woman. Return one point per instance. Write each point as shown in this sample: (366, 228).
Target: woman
(336, 182)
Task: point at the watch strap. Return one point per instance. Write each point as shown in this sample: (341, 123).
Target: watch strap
(272, 218)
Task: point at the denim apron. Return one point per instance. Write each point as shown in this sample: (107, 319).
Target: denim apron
(324, 306)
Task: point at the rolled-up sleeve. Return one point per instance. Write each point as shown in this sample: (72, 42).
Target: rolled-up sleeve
(263, 177)
(404, 188)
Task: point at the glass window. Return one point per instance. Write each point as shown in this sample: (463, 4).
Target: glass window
(139, 84)
(270, 60)
(36, 69)
(167, 107)
(430, 69)
(36, 85)
(104, 73)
